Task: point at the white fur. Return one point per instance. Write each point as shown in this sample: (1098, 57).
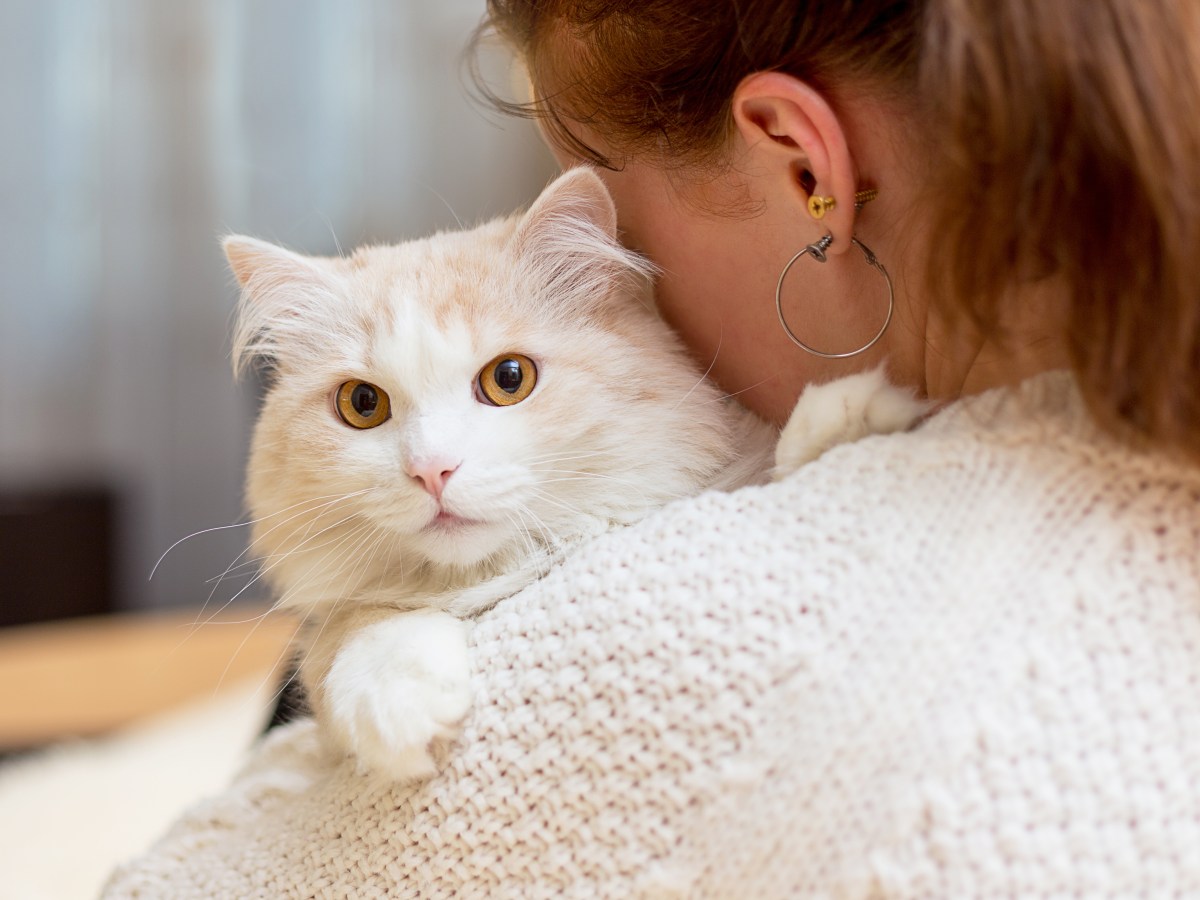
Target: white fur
(843, 411)
(396, 686)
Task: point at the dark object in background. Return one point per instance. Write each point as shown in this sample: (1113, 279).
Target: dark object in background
(56, 553)
(292, 703)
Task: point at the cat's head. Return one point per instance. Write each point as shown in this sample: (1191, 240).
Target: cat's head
(453, 402)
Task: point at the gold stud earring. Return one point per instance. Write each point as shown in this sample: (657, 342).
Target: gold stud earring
(818, 206)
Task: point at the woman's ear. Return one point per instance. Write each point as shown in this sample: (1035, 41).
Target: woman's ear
(796, 136)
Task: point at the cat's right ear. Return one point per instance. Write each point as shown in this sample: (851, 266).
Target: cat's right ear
(286, 301)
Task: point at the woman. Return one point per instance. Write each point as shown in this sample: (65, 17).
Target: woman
(961, 660)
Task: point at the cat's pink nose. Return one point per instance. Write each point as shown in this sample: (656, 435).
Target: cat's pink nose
(432, 473)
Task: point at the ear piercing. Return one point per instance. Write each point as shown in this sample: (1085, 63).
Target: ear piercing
(818, 205)
(862, 198)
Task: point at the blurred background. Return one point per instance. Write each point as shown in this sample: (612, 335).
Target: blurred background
(135, 133)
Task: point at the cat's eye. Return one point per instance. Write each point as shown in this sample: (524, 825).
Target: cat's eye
(362, 405)
(507, 379)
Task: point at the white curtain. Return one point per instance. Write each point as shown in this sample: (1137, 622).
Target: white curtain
(133, 133)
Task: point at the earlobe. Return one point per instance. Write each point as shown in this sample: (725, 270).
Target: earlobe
(797, 135)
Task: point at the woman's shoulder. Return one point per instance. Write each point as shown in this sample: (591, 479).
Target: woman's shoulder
(1011, 477)
(903, 649)
(921, 645)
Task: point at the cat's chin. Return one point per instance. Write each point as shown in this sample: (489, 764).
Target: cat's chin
(450, 540)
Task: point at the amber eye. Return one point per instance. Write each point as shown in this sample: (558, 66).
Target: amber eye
(362, 405)
(507, 379)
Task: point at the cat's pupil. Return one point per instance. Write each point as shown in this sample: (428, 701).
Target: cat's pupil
(508, 376)
(365, 400)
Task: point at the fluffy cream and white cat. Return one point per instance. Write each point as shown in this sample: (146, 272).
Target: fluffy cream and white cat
(448, 417)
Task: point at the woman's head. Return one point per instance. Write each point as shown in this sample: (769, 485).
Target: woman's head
(657, 77)
(1036, 166)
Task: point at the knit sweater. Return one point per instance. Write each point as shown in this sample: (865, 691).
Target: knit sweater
(959, 661)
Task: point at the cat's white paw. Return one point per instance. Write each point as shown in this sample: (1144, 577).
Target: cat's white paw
(842, 411)
(395, 687)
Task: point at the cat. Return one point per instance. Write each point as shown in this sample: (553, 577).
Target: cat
(448, 417)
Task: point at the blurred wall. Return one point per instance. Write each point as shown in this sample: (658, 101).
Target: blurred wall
(132, 134)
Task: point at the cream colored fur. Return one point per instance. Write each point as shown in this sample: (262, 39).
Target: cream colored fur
(619, 424)
(843, 411)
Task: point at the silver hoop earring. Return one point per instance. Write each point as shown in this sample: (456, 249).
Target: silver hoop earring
(817, 252)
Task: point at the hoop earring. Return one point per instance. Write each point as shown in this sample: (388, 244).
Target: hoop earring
(817, 252)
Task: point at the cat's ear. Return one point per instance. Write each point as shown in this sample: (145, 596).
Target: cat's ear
(569, 239)
(576, 197)
(287, 299)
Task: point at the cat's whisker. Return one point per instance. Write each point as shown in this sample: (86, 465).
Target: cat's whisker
(189, 537)
(234, 570)
(551, 465)
(232, 525)
(214, 624)
(260, 560)
(200, 622)
(301, 547)
(579, 475)
(304, 545)
(333, 234)
(315, 639)
(550, 537)
(429, 187)
(309, 573)
(564, 457)
(309, 509)
(278, 665)
(300, 662)
(704, 377)
(387, 562)
(560, 503)
(518, 523)
(365, 531)
(234, 655)
(646, 503)
(730, 396)
(320, 511)
(225, 672)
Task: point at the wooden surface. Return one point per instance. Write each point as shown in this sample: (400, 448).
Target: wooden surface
(87, 676)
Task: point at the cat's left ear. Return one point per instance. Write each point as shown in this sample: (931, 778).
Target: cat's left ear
(569, 238)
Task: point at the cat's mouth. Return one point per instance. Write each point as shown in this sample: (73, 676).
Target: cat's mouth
(447, 521)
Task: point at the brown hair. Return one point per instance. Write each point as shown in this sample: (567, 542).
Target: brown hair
(1069, 137)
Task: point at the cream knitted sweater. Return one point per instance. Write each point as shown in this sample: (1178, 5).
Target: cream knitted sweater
(959, 661)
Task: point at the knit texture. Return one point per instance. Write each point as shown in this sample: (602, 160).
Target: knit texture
(960, 661)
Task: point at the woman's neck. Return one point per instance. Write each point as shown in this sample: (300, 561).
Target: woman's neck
(1029, 340)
